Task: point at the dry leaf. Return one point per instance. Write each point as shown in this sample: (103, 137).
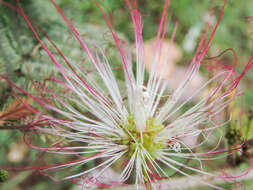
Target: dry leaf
(16, 111)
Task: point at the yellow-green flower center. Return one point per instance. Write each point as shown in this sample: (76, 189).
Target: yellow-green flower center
(145, 139)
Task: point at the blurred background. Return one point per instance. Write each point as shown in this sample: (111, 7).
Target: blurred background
(22, 60)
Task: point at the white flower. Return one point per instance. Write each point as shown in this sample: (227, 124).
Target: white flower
(143, 133)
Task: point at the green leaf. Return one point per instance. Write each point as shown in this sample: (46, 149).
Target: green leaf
(3, 175)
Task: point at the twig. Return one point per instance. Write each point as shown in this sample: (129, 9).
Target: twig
(186, 182)
(20, 127)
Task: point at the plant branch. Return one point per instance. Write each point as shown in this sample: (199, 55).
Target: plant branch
(187, 182)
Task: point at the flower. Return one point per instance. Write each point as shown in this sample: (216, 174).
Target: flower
(140, 136)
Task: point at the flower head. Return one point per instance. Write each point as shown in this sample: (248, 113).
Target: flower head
(139, 130)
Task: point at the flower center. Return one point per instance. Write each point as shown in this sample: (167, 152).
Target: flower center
(142, 140)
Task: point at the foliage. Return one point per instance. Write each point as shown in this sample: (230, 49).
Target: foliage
(22, 59)
(3, 175)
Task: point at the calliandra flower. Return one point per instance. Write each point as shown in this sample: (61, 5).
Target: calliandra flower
(137, 130)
